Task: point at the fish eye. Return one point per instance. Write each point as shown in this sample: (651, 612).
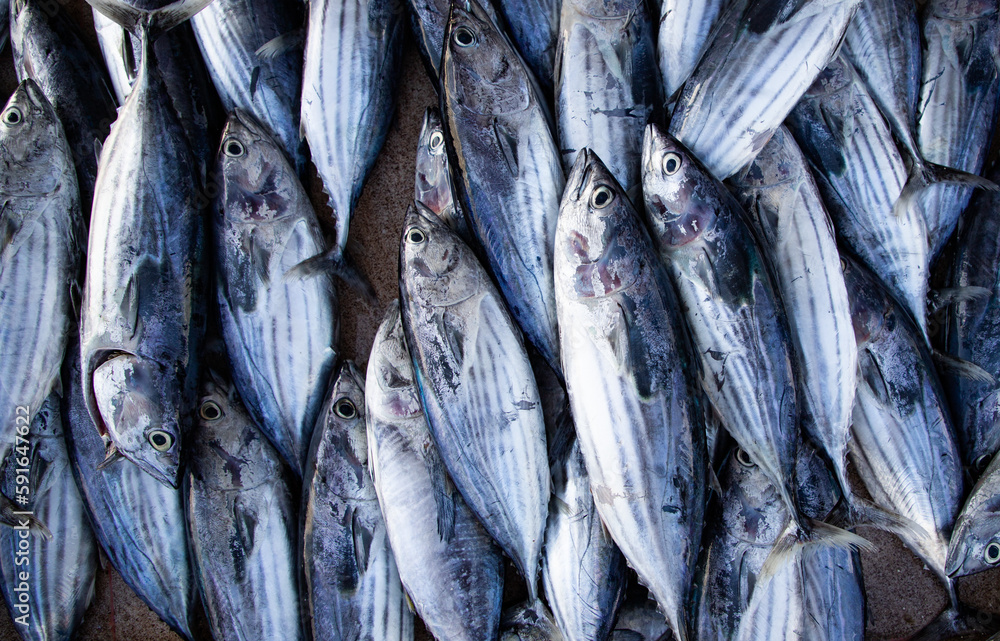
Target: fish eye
(984, 618)
(464, 37)
(437, 140)
(234, 148)
(13, 116)
(160, 440)
(843, 265)
(744, 458)
(602, 197)
(344, 408)
(210, 411)
(415, 236)
(982, 463)
(992, 553)
(671, 163)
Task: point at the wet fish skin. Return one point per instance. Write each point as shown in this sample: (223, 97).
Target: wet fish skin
(433, 184)
(533, 26)
(975, 540)
(508, 172)
(351, 586)
(861, 174)
(529, 622)
(242, 522)
(484, 412)
(640, 621)
(624, 353)
(41, 231)
(230, 33)
(281, 332)
(62, 569)
(608, 86)
(762, 60)
(683, 36)
(452, 569)
(49, 49)
(347, 102)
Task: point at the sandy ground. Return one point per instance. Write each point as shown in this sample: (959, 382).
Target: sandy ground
(902, 594)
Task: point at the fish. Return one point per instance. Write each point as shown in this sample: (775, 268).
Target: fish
(975, 540)
(533, 26)
(352, 585)
(242, 521)
(280, 332)
(49, 48)
(256, 64)
(352, 60)
(861, 174)
(625, 357)
(684, 34)
(608, 85)
(434, 186)
(61, 570)
(639, 620)
(143, 312)
(429, 20)
(112, 39)
(763, 58)
(508, 171)
(139, 522)
(529, 622)
(451, 568)
(484, 411)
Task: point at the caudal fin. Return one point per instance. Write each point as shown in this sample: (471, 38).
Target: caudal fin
(924, 174)
(338, 264)
(154, 22)
(795, 537)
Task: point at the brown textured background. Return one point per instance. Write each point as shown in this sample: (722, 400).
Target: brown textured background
(902, 594)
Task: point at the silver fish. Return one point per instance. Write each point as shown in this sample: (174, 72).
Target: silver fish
(624, 356)
(280, 332)
(763, 58)
(975, 540)
(348, 95)
(508, 170)
(684, 35)
(111, 37)
(433, 185)
(484, 411)
(529, 622)
(351, 586)
(235, 37)
(608, 85)
(429, 19)
(452, 569)
(142, 316)
(60, 571)
(242, 522)
(534, 29)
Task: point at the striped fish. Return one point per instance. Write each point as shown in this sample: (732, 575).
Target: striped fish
(138, 521)
(452, 569)
(348, 95)
(903, 445)
(534, 29)
(280, 332)
(476, 386)
(142, 316)
(352, 586)
(975, 540)
(779, 194)
(624, 356)
(507, 167)
(684, 35)
(763, 58)
(111, 37)
(41, 230)
(234, 37)
(433, 186)
(50, 604)
(861, 174)
(608, 86)
(241, 522)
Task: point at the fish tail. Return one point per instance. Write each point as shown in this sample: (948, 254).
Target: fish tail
(861, 512)
(152, 23)
(12, 515)
(810, 532)
(339, 264)
(924, 174)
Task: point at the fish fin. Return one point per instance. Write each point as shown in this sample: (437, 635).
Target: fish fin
(260, 260)
(445, 497)
(128, 56)
(111, 455)
(245, 524)
(409, 601)
(12, 516)
(280, 45)
(963, 368)
(508, 146)
(156, 21)
(924, 174)
(128, 304)
(713, 481)
(7, 230)
(854, 511)
(958, 621)
(871, 374)
(794, 538)
(939, 299)
(341, 266)
(254, 79)
(362, 538)
(98, 148)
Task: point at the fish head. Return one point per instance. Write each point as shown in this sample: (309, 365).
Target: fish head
(432, 186)
(140, 412)
(597, 233)
(344, 416)
(481, 71)
(33, 148)
(392, 386)
(681, 196)
(975, 541)
(436, 266)
(752, 508)
(257, 181)
(962, 9)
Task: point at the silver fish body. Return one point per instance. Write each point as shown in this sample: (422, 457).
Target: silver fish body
(434, 186)
(351, 586)
(684, 35)
(242, 522)
(762, 60)
(975, 540)
(635, 411)
(452, 569)
(507, 167)
(483, 410)
(41, 230)
(608, 86)
(280, 332)
(780, 195)
(534, 29)
(61, 569)
(861, 174)
(352, 57)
